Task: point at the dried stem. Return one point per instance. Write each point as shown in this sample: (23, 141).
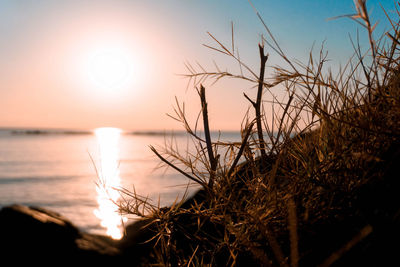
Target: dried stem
(294, 239)
(257, 106)
(175, 167)
(241, 149)
(212, 159)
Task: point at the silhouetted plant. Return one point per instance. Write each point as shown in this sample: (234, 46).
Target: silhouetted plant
(268, 199)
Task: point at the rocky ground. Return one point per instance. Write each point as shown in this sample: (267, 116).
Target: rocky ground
(37, 235)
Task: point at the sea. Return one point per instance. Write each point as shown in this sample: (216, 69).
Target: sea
(80, 174)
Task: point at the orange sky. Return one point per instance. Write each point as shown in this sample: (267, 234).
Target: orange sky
(52, 56)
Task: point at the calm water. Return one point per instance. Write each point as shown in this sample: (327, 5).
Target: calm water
(56, 171)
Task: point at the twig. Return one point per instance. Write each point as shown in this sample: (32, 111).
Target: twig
(367, 230)
(213, 161)
(257, 107)
(175, 167)
(241, 149)
(294, 240)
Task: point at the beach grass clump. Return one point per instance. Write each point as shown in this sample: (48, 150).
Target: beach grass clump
(315, 182)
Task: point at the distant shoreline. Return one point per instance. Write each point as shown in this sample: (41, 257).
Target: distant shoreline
(33, 132)
(48, 132)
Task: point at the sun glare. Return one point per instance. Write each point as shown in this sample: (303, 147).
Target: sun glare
(109, 68)
(107, 194)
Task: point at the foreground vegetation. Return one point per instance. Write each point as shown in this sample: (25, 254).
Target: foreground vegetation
(313, 182)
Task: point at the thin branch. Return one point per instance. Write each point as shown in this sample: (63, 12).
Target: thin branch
(213, 161)
(175, 167)
(257, 107)
(241, 149)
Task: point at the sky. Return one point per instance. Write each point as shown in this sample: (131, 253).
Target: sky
(118, 63)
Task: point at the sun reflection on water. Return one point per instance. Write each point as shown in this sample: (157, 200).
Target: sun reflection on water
(109, 180)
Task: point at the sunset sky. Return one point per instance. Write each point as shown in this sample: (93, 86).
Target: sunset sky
(86, 64)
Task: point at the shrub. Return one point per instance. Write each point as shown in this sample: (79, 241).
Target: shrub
(314, 184)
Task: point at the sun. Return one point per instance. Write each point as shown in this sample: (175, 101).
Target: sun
(109, 68)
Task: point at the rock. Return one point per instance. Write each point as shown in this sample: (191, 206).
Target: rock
(137, 243)
(38, 235)
(137, 232)
(96, 245)
(141, 235)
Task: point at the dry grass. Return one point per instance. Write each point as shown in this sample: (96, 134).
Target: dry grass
(313, 179)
